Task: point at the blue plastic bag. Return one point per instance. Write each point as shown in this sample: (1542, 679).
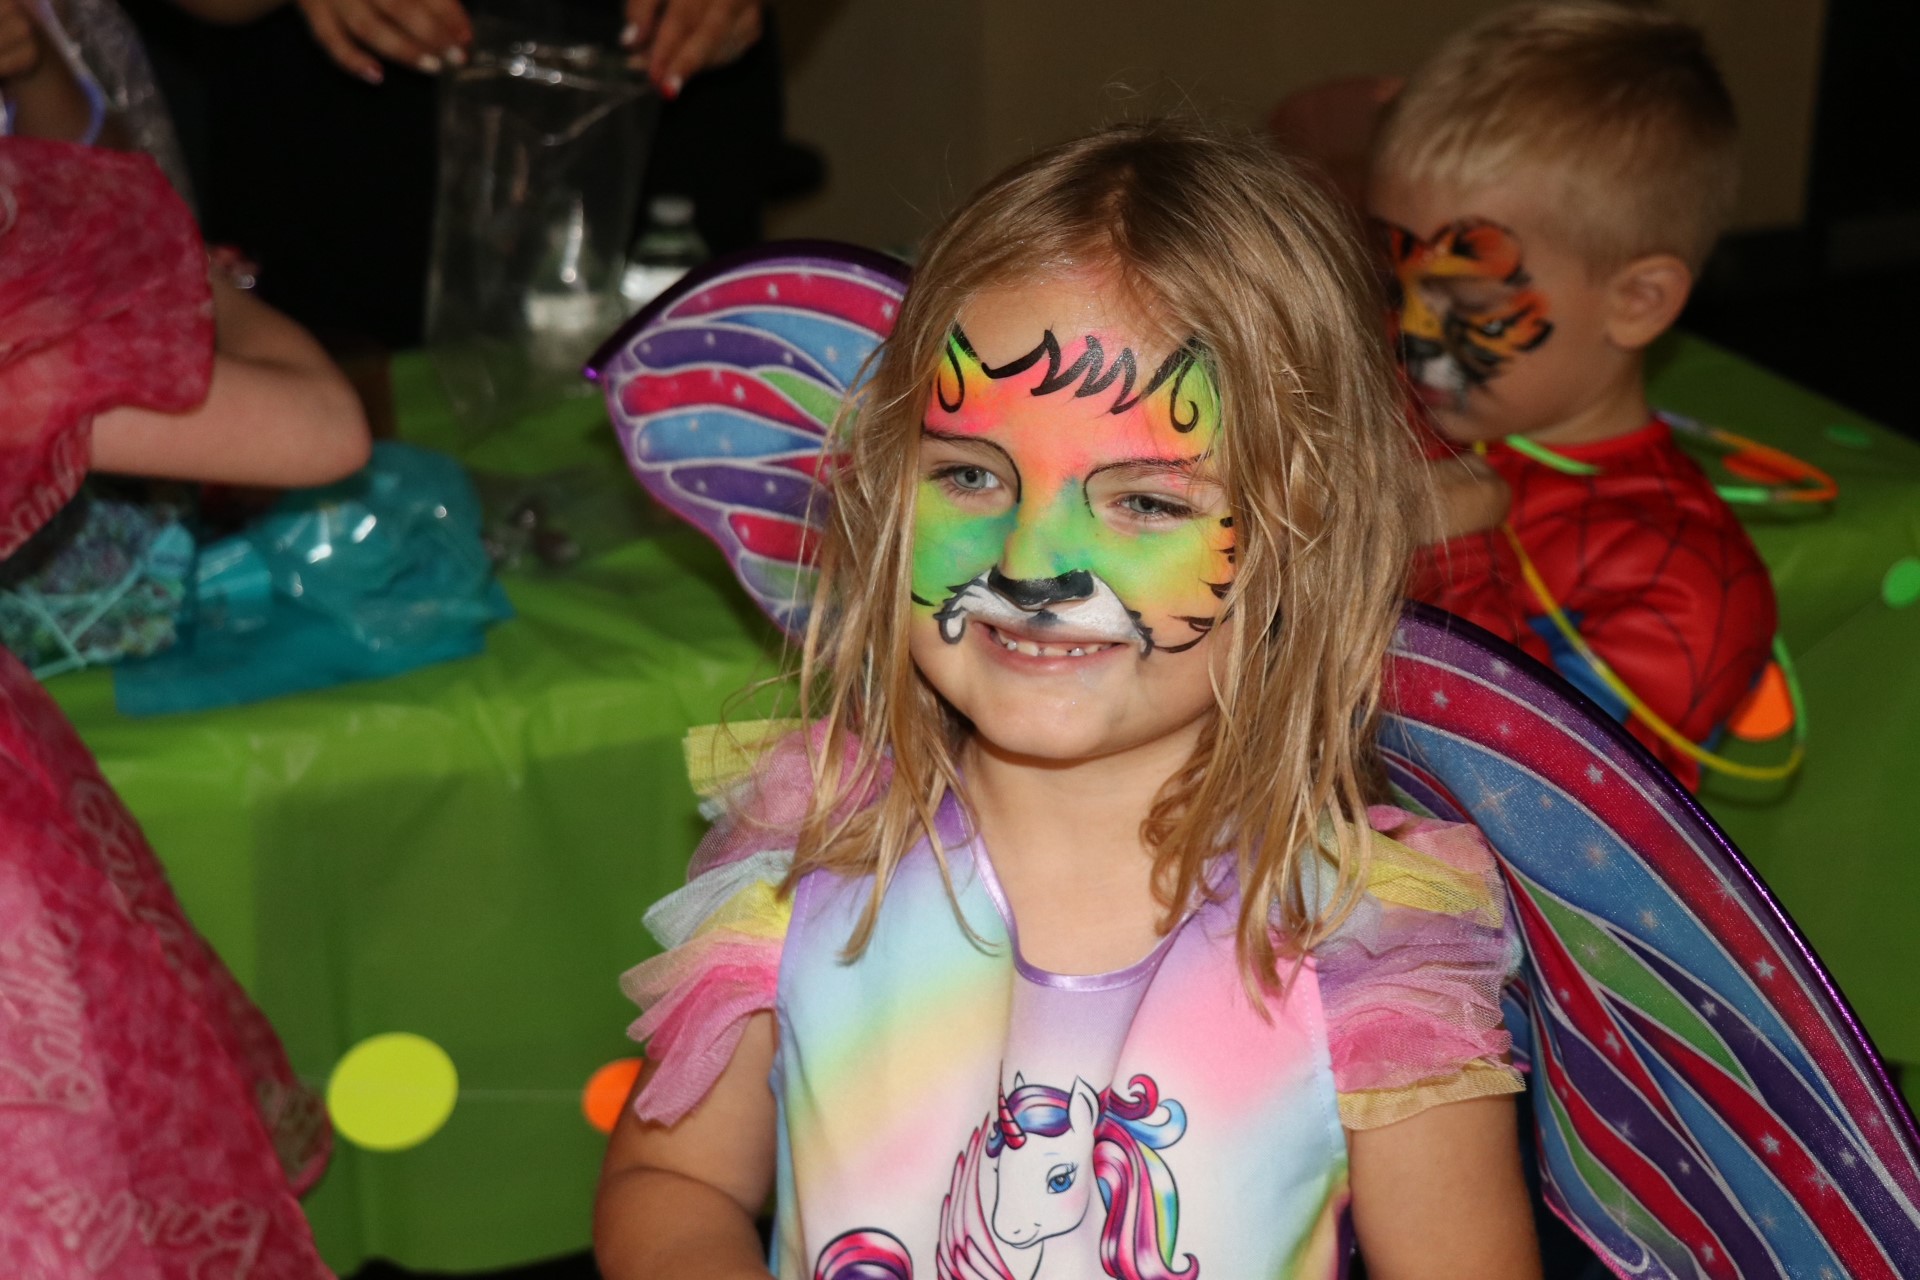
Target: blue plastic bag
(376, 575)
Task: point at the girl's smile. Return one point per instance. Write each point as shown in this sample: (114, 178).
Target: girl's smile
(1027, 655)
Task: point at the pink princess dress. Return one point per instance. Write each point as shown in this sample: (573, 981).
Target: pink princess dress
(150, 1127)
(949, 1111)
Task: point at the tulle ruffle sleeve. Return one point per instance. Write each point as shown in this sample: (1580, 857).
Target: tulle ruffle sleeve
(722, 935)
(103, 302)
(1411, 981)
(724, 931)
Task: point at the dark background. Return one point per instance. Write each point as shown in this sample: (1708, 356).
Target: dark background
(1832, 304)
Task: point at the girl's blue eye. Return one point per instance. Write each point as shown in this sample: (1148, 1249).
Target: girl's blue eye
(1153, 507)
(969, 479)
(1060, 1178)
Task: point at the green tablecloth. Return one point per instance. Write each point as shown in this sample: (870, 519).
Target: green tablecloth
(465, 852)
(1836, 844)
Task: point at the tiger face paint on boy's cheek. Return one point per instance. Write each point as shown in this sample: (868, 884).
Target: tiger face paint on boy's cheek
(1466, 307)
(1083, 437)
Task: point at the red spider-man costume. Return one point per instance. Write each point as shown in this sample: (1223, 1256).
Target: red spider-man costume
(1649, 563)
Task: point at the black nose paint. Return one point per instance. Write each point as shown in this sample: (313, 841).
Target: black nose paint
(1037, 593)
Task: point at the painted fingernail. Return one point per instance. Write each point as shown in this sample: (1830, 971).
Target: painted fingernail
(628, 33)
(371, 73)
(670, 87)
(455, 56)
(428, 63)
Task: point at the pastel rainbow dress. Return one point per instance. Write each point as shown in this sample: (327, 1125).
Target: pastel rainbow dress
(948, 1110)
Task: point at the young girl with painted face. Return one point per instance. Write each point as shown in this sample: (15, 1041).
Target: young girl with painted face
(1065, 943)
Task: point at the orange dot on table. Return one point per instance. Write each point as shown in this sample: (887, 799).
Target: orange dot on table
(607, 1092)
(1768, 711)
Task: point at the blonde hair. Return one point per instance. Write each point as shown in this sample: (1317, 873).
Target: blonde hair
(1226, 243)
(1619, 105)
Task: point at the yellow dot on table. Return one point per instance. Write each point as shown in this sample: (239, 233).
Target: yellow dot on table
(1901, 586)
(607, 1092)
(392, 1091)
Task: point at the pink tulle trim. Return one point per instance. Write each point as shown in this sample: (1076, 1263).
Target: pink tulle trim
(1388, 1048)
(1458, 844)
(697, 998)
(769, 810)
(698, 995)
(1413, 995)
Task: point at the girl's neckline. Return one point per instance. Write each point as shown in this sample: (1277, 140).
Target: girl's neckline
(1112, 980)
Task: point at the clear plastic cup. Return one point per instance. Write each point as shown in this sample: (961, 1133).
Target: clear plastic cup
(542, 148)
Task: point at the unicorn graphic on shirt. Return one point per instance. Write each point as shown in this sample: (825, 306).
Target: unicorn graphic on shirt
(1027, 1177)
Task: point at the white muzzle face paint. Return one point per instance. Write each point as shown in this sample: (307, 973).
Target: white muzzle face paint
(1079, 608)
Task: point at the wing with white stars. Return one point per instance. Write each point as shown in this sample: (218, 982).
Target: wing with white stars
(1704, 1101)
(723, 391)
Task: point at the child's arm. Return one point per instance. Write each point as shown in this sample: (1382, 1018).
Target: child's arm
(1440, 1194)
(680, 1201)
(1472, 496)
(277, 411)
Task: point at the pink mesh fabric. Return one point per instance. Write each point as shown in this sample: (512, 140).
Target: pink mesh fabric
(723, 935)
(150, 1125)
(697, 999)
(765, 812)
(1412, 995)
(103, 302)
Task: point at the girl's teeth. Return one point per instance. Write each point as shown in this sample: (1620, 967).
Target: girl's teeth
(1032, 650)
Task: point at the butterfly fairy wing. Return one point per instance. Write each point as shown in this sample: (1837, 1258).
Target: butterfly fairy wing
(1704, 1101)
(723, 392)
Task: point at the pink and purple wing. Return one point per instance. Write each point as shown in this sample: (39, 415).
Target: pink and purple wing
(1705, 1103)
(966, 1249)
(724, 390)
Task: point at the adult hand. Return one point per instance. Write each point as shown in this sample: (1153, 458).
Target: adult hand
(672, 39)
(19, 40)
(418, 33)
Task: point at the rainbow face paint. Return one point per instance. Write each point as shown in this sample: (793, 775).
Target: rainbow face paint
(1067, 492)
(1465, 304)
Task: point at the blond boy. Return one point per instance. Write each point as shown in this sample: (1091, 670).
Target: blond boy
(1549, 184)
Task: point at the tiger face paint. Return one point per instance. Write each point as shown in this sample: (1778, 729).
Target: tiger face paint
(1059, 498)
(1465, 305)
(1072, 546)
